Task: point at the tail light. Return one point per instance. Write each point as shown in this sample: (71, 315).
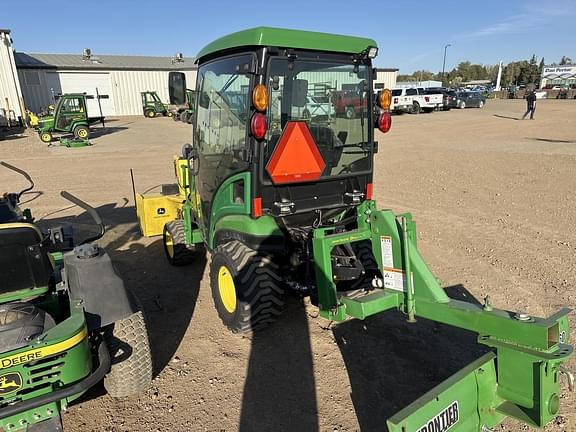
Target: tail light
(258, 125)
(427, 98)
(257, 207)
(395, 100)
(369, 191)
(385, 122)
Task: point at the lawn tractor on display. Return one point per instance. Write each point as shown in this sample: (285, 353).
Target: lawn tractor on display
(285, 203)
(152, 105)
(70, 116)
(66, 320)
(185, 112)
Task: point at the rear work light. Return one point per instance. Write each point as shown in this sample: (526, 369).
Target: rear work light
(385, 122)
(258, 125)
(260, 97)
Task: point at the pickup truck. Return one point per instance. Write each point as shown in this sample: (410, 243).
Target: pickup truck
(400, 102)
(420, 100)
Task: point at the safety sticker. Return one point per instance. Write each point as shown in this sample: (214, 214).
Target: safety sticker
(443, 421)
(394, 279)
(387, 255)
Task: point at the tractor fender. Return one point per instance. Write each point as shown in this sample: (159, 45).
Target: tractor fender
(262, 232)
(93, 281)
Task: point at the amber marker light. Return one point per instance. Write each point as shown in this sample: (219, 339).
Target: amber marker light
(260, 97)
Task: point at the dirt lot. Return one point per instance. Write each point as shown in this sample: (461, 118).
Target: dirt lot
(493, 199)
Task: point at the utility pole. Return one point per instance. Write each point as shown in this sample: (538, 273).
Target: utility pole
(444, 61)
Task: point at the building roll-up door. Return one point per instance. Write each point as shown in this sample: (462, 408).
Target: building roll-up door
(85, 82)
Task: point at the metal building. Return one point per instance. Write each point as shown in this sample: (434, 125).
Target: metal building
(10, 92)
(114, 80)
(385, 78)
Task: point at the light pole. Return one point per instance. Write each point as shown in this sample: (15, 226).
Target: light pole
(444, 61)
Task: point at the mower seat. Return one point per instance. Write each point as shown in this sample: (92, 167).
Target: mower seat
(24, 263)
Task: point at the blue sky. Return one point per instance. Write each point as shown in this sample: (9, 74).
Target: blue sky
(411, 35)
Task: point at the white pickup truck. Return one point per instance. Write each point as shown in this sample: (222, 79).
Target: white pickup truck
(416, 99)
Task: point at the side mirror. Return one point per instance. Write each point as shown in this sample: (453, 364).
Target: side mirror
(299, 92)
(177, 88)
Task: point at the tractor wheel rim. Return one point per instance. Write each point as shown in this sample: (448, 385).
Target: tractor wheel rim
(82, 133)
(169, 245)
(45, 137)
(227, 289)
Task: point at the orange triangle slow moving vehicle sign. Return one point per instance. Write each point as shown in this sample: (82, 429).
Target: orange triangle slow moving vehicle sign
(296, 157)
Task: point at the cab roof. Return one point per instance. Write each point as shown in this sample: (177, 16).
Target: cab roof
(286, 38)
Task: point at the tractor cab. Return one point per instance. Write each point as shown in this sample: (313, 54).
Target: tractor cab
(70, 116)
(266, 110)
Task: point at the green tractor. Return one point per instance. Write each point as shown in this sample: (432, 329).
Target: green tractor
(152, 105)
(70, 116)
(185, 112)
(283, 202)
(66, 320)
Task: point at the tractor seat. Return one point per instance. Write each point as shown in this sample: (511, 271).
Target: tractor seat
(20, 323)
(24, 263)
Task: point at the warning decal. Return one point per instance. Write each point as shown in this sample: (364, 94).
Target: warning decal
(394, 279)
(387, 255)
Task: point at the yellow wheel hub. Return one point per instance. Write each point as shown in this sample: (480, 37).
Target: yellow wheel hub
(227, 289)
(45, 137)
(169, 244)
(82, 133)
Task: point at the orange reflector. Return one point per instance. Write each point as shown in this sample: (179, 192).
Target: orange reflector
(296, 157)
(385, 99)
(260, 97)
(257, 207)
(369, 191)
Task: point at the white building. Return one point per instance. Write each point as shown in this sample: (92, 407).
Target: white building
(116, 80)
(11, 101)
(385, 78)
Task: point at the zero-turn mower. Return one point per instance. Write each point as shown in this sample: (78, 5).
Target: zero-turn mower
(66, 320)
(284, 202)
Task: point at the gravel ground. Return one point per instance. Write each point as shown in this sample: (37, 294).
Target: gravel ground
(493, 200)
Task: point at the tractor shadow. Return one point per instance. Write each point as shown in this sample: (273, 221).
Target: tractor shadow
(280, 377)
(168, 294)
(97, 132)
(391, 363)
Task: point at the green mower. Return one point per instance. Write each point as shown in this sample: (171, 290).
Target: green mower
(283, 202)
(69, 117)
(152, 105)
(66, 320)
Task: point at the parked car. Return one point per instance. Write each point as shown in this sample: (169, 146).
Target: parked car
(467, 99)
(316, 106)
(420, 101)
(348, 103)
(448, 96)
(400, 103)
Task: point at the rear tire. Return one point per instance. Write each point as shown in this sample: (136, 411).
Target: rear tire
(462, 105)
(129, 347)
(247, 287)
(178, 253)
(81, 132)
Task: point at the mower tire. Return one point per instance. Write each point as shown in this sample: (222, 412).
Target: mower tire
(46, 137)
(129, 347)
(178, 253)
(150, 113)
(247, 287)
(81, 132)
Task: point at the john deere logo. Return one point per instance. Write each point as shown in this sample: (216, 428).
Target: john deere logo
(161, 211)
(10, 382)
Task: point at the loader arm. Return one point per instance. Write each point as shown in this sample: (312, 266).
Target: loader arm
(520, 378)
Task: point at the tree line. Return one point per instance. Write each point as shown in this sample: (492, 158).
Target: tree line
(521, 72)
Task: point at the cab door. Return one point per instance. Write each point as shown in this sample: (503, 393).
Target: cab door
(71, 109)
